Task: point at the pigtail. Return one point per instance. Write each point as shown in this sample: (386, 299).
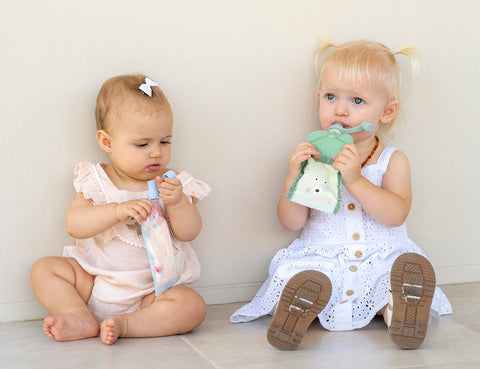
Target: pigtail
(324, 45)
(411, 52)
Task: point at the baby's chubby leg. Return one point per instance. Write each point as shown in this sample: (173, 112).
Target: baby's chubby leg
(176, 311)
(63, 287)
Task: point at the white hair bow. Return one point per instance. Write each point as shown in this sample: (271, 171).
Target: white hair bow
(146, 87)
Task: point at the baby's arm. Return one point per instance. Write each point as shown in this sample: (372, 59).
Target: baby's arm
(183, 216)
(390, 204)
(84, 220)
(292, 215)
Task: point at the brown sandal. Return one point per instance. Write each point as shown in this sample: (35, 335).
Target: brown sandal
(412, 281)
(305, 295)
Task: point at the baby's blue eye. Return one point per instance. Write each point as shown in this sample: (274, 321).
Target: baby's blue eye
(358, 101)
(330, 97)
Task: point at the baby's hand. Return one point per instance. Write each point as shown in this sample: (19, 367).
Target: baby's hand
(137, 209)
(171, 190)
(348, 163)
(304, 151)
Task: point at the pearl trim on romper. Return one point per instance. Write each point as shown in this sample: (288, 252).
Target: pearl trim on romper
(113, 227)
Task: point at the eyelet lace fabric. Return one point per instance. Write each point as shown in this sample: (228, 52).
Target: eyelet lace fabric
(355, 251)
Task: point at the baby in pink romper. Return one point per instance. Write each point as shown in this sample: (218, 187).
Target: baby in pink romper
(104, 284)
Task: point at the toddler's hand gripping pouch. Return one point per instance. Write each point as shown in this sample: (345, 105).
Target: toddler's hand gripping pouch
(156, 235)
(319, 185)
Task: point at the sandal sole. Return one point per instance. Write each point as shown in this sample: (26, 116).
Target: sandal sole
(305, 295)
(413, 284)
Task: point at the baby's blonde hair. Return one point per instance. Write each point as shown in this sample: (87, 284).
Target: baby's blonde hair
(122, 92)
(361, 59)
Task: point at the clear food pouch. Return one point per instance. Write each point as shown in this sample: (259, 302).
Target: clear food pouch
(319, 185)
(158, 242)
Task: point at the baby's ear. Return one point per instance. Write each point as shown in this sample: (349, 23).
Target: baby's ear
(390, 111)
(104, 140)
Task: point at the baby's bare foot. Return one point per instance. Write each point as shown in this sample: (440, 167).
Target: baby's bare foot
(110, 330)
(70, 327)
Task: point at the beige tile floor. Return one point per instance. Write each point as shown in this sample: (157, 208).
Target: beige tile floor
(453, 341)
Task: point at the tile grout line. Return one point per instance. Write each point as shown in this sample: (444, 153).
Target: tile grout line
(199, 352)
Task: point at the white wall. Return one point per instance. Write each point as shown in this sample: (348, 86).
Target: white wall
(240, 79)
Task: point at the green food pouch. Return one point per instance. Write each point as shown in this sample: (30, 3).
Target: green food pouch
(319, 185)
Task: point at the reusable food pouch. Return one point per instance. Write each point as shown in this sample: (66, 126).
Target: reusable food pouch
(319, 185)
(156, 235)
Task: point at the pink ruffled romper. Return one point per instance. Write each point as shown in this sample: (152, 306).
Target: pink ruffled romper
(117, 257)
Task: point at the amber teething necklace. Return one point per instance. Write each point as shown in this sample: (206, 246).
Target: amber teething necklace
(371, 152)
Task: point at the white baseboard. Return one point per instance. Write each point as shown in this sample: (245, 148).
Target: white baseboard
(241, 292)
(20, 311)
(225, 294)
(454, 274)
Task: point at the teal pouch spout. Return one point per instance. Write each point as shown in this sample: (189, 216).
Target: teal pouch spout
(319, 185)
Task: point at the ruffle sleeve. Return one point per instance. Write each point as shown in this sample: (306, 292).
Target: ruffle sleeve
(193, 188)
(87, 181)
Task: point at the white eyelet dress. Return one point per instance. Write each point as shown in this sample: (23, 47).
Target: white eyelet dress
(355, 251)
(118, 257)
